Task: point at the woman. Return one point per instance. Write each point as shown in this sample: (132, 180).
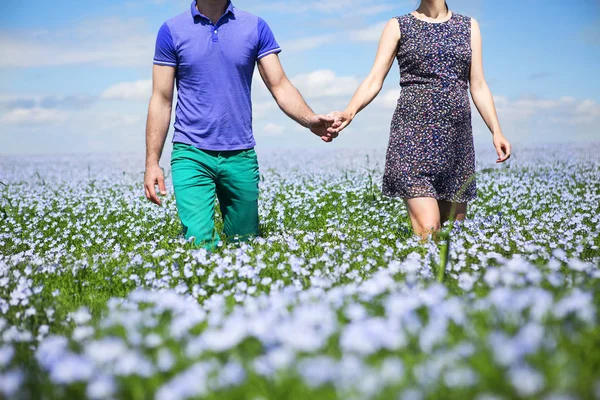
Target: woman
(430, 158)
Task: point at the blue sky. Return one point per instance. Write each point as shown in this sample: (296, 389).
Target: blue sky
(75, 76)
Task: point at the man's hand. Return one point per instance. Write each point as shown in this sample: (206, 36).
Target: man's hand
(341, 120)
(154, 176)
(319, 125)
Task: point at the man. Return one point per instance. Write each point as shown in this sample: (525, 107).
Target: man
(211, 51)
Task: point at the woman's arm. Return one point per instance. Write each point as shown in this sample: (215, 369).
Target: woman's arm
(371, 86)
(482, 96)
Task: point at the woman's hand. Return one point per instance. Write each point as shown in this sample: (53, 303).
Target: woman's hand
(319, 124)
(502, 147)
(341, 120)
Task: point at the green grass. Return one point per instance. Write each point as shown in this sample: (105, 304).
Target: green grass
(70, 246)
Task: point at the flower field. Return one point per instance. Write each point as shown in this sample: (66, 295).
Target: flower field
(101, 297)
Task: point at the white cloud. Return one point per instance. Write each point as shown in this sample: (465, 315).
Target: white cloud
(117, 42)
(523, 119)
(116, 121)
(33, 116)
(341, 8)
(369, 34)
(543, 120)
(325, 83)
(106, 42)
(307, 43)
(387, 99)
(272, 129)
(69, 102)
(587, 111)
(565, 109)
(265, 107)
(139, 90)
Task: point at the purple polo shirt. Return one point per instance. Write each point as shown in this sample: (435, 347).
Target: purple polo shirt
(214, 68)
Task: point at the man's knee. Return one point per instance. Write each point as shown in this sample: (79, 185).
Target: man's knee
(241, 219)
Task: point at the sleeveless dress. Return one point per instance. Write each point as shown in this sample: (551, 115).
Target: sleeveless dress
(431, 151)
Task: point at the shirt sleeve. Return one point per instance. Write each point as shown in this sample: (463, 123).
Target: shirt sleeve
(165, 53)
(266, 41)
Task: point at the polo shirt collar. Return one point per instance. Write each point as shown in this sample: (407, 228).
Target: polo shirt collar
(196, 13)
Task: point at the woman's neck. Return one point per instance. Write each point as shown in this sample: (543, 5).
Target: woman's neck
(434, 9)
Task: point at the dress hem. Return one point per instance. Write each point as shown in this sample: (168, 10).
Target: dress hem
(438, 198)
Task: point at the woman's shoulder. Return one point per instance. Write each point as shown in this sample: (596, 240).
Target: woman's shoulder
(404, 20)
(462, 17)
(403, 17)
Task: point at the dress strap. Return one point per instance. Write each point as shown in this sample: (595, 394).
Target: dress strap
(402, 21)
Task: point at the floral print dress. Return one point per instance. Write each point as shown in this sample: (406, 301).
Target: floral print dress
(431, 150)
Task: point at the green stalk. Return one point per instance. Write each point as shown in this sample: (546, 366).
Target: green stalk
(445, 236)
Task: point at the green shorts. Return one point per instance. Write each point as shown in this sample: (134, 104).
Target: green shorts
(201, 176)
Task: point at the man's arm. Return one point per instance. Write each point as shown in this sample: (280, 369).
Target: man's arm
(289, 98)
(157, 127)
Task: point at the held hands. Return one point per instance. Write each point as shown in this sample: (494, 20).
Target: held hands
(341, 120)
(328, 127)
(319, 125)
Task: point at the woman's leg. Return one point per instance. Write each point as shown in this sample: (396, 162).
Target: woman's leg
(445, 207)
(424, 215)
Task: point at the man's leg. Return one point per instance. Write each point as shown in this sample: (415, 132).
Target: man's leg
(238, 193)
(193, 173)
